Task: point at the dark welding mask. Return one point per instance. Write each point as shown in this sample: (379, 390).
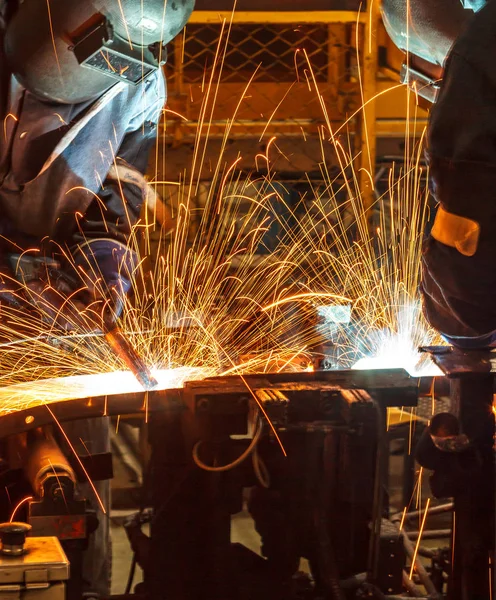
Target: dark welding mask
(71, 51)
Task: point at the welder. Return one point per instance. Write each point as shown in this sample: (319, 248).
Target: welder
(459, 273)
(459, 290)
(81, 93)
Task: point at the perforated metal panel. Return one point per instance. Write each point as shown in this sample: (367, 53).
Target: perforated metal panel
(289, 64)
(273, 52)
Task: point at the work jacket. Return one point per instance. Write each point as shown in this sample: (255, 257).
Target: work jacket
(459, 261)
(55, 158)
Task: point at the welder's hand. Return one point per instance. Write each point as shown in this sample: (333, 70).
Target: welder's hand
(78, 311)
(88, 298)
(11, 294)
(56, 308)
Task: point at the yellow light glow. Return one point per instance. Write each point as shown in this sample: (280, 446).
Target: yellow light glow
(25, 395)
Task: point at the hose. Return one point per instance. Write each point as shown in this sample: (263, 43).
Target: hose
(260, 469)
(433, 510)
(253, 444)
(422, 573)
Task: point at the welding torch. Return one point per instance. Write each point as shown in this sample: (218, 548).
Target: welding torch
(28, 269)
(124, 350)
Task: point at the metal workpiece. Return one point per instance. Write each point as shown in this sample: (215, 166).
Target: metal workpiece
(457, 363)
(75, 407)
(94, 396)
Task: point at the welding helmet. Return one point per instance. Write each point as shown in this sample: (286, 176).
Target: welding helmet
(474, 5)
(72, 51)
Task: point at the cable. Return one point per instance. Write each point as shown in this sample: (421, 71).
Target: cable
(199, 463)
(259, 467)
(130, 578)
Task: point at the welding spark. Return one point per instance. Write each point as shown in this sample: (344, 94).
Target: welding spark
(216, 298)
(21, 503)
(414, 558)
(53, 37)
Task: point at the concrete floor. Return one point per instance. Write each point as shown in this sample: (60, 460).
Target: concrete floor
(242, 532)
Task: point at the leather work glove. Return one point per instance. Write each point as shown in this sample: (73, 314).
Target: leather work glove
(38, 285)
(85, 297)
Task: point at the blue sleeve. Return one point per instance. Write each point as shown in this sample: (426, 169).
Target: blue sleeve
(123, 201)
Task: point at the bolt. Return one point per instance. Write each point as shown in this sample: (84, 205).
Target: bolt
(203, 404)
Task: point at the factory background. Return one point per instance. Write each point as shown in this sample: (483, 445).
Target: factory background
(271, 437)
(353, 62)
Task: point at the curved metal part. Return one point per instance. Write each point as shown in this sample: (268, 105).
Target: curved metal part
(38, 403)
(34, 404)
(425, 28)
(87, 408)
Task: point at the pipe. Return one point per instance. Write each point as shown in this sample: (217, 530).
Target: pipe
(411, 587)
(433, 510)
(43, 459)
(353, 582)
(422, 573)
(432, 534)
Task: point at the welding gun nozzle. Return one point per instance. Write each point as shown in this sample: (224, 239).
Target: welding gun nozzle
(123, 349)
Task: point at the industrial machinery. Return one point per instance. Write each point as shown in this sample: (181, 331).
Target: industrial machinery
(307, 452)
(33, 568)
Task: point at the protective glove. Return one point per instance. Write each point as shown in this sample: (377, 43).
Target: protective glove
(10, 289)
(88, 297)
(38, 285)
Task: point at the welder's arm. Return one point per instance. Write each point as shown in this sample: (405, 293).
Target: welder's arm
(459, 280)
(101, 244)
(119, 205)
(104, 262)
